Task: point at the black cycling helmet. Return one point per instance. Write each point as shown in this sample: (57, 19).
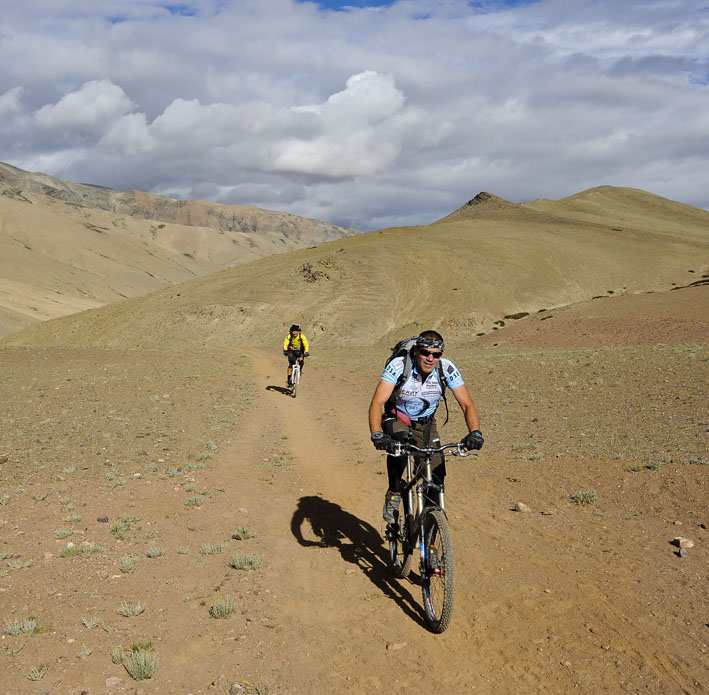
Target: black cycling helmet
(295, 327)
(430, 339)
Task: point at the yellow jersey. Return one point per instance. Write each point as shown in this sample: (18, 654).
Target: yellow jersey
(300, 342)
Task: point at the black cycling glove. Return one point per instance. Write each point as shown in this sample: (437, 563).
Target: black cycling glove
(381, 441)
(473, 440)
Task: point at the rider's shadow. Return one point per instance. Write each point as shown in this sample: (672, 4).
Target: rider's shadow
(358, 543)
(281, 389)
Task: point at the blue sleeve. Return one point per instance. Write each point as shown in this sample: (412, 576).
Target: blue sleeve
(393, 370)
(454, 379)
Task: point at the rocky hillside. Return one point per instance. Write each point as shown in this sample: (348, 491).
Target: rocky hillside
(65, 247)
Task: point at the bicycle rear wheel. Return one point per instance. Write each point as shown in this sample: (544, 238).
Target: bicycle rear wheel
(401, 552)
(437, 574)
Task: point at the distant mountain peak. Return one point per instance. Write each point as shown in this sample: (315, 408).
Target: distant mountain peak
(488, 200)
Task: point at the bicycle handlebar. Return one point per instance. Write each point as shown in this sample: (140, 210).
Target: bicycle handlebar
(407, 448)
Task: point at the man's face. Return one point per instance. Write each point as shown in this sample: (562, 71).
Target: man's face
(426, 360)
(294, 333)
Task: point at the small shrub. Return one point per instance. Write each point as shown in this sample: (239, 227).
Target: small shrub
(222, 607)
(127, 564)
(696, 461)
(130, 609)
(211, 549)
(583, 497)
(154, 551)
(19, 564)
(195, 501)
(141, 665)
(243, 533)
(84, 652)
(71, 551)
(120, 529)
(90, 623)
(245, 561)
(37, 672)
(15, 627)
(117, 655)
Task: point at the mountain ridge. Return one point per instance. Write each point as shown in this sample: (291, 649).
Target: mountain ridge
(461, 276)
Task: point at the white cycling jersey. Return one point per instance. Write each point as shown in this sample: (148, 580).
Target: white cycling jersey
(417, 399)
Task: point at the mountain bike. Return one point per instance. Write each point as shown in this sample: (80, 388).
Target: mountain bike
(421, 523)
(293, 356)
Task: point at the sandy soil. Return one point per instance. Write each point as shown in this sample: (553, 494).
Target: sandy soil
(189, 448)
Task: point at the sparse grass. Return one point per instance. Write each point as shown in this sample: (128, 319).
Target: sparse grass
(195, 501)
(4, 499)
(120, 529)
(71, 551)
(117, 655)
(245, 561)
(154, 551)
(182, 550)
(243, 533)
(257, 687)
(212, 549)
(696, 461)
(62, 533)
(36, 673)
(84, 652)
(130, 609)
(583, 497)
(90, 623)
(127, 563)
(19, 564)
(14, 626)
(141, 664)
(222, 607)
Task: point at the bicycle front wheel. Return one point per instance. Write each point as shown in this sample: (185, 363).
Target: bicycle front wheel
(401, 553)
(437, 574)
(295, 381)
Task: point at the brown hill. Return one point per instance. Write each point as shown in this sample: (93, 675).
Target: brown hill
(65, 246)
(462, 274)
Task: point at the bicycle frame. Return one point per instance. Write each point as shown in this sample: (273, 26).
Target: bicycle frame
(420, 477)
(425, 524)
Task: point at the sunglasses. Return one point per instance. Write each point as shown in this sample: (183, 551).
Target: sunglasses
(428, 353)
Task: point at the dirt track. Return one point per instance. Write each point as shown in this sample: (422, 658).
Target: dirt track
(583, 599)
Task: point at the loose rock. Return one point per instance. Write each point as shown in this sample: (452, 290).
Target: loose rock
(522, 507)
(681, 542)
(395, 646)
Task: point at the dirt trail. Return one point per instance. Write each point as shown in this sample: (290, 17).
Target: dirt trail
(538, 607)
(564, 598)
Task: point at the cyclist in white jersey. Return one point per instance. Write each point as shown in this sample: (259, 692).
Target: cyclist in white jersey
(413, 410)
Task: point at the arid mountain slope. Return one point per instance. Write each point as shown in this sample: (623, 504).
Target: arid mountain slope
(463, 275)
(65, 246)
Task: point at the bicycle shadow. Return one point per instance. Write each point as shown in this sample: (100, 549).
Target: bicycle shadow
(358, 542)
(281, 389)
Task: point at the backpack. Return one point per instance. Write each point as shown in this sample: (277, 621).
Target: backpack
(405, 348)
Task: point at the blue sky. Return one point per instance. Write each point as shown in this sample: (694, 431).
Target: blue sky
(369, 116)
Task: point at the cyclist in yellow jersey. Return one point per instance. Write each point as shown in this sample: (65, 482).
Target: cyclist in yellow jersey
(295, 347)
